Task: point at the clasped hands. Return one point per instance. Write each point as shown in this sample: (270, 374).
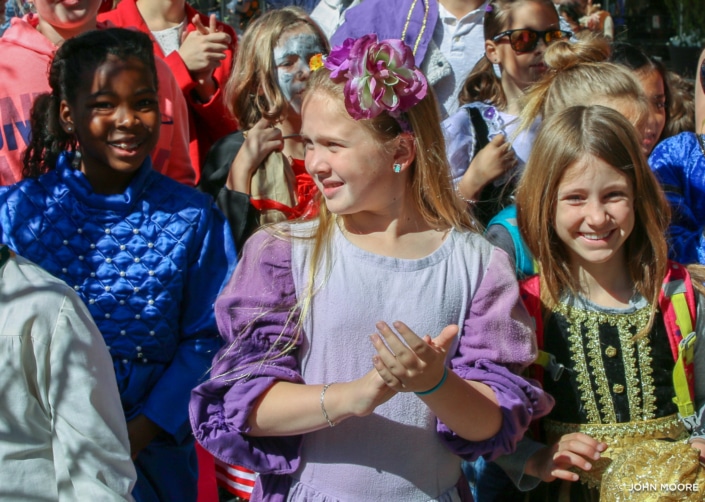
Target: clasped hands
(408, 363)
(404, 362)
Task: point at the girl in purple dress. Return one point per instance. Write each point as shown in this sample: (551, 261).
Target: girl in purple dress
(373, 348)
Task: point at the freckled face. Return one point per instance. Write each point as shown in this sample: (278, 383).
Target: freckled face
(292, 54)
(595, 213)
(350, 168)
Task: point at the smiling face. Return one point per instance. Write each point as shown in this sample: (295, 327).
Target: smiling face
(520, 70)
(353, 171)
(292, 54)
(66, 17)
(116, 120)
(594, 213)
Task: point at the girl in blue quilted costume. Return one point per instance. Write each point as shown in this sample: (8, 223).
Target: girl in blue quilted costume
(679, 165)
(145, 253)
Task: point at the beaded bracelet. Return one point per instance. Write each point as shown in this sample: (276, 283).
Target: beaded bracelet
(435, 387)
(460, 195)
(323, 408)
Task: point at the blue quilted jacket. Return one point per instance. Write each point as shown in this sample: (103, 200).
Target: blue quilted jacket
(679, 164)
(149, 264)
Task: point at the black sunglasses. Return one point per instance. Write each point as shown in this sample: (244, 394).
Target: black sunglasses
(526, 40)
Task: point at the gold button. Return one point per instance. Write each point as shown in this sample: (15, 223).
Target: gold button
(618, 388)
(610, 351)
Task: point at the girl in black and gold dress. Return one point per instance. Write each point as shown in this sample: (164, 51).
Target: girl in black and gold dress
(594, 217)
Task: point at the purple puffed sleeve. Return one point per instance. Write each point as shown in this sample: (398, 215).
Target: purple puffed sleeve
(254, 314)
(497, 342)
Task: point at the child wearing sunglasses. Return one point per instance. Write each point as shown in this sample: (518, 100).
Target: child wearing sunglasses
(484, 153)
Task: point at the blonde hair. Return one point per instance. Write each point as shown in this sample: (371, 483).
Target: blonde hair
(431, 189)
(482, 84)
(566, 138)
(252, 91)
(579, 74)
(431, 186)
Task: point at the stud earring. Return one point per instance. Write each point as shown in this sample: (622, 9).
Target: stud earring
(397, 168)
(69, 128)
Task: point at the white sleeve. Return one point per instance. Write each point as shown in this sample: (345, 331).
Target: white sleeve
(89, 436)
(514, 464)
(608, 28)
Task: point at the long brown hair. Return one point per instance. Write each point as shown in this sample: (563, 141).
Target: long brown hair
(252, 91)
(566, 138)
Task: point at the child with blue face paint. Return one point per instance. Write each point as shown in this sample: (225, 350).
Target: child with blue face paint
(257, 175)
(291, 57)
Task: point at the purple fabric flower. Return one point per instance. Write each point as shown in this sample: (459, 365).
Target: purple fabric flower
(337, 61)
(380, 76)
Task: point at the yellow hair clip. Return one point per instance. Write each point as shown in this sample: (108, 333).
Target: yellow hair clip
(316, 62)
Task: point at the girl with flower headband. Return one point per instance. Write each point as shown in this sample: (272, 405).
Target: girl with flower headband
(303, 394)
(257, 175)
(484, 152)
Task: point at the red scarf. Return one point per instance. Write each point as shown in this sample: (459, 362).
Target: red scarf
(305, 189)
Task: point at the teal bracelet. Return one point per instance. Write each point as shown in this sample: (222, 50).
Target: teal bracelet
(435, 387)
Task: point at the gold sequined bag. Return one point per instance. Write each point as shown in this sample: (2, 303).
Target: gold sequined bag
(654, 471)
(620, 438)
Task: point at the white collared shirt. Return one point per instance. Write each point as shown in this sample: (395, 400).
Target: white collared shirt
(462, 43)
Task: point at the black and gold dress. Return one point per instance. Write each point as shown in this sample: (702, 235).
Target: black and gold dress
(616, 388)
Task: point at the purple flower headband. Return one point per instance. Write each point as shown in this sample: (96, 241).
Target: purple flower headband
(380, 76)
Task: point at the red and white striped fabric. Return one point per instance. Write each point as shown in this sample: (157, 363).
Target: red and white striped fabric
(236, 479)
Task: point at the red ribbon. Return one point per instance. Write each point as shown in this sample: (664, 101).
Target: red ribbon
(305, 189)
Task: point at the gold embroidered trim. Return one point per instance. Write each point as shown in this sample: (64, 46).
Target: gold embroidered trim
(579, 358)
(648, 389)
(630, 358)
(669, 426)
(586, 354)
(617, 437)
(408, 18)
(423, 25)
